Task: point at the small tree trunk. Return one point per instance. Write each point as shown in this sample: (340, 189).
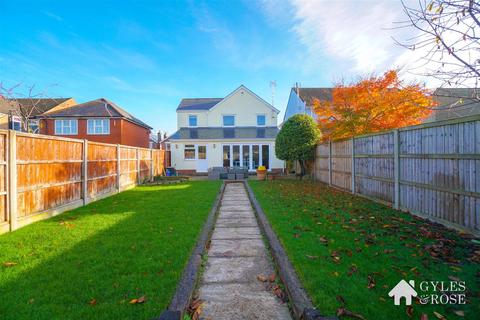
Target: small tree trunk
(302, 169)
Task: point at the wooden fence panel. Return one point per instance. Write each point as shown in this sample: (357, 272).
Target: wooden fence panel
(102, 169)
(342, 164)
(128, 166)
(374, 166)
(145, 164)
(49, 173)
(322, 163)
(3, 181)
(159, 162)
(432, 170)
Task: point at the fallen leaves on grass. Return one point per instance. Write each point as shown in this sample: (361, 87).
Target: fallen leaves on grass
(439, 316)
(312, 257)
(323, 240)
(335, 256)
(344, 312)
(459, 313)
(371, 282)
(92, 302)
(272, 277)
(409, 311)
(138, 300)
(424, 316)
(9, 264)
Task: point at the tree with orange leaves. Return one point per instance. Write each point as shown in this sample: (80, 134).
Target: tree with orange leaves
(372, 104)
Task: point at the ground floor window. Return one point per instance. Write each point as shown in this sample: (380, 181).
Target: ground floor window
(189, 152)
(250, 156)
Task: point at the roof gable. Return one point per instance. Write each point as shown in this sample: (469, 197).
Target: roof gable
(309, 95)
(251, 93)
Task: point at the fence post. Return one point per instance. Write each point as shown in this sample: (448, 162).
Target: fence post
(353, 165)
(396, 169)
(12, 187)
(151, 165)
(118, 167)
(85, 172)
(138, 166)
(329, 163)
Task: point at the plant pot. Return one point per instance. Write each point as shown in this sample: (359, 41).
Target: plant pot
(261, 174)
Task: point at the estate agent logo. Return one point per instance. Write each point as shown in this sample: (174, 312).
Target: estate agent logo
(403, 289)
(430, 292)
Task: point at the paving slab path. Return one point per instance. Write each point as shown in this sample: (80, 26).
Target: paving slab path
(237, 255)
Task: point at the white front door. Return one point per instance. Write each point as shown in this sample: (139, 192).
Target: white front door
(201, 158)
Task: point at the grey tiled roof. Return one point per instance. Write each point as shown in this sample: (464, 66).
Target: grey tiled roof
(308, 95)
(225, 133)
(96, 108)
(198, 103)
(41, 105)
(455, 103)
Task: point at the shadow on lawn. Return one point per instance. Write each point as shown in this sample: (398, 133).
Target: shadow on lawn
(142, 246)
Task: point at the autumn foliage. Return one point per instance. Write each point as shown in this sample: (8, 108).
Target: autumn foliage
(372, 104)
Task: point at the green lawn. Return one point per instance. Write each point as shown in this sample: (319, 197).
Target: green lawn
(349, 252)
(91, 262)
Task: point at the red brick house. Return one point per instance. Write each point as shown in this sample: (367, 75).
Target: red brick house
(99, 120)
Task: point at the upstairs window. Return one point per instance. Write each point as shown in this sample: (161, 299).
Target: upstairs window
(98, 126)
(228, 121)
(66, 127)
(192, 121)
(260, 119)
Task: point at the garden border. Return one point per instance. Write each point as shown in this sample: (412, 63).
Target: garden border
(301, 303)
(186, 286)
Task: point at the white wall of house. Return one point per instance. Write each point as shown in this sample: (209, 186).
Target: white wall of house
(295, 105)
(215, 153)
(244, 105)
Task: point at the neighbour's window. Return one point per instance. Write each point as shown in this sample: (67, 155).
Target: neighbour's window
(192, 121)
(189, 153)
(228, 121)
(16, 123)
(34, 125)
(98, 126)
(66, 127)
(260, 119)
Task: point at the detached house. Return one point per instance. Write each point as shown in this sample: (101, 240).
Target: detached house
(236, 131)
(99, 120)
(301, 100)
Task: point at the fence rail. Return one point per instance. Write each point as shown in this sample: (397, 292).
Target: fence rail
(41, 176)
(432, 170)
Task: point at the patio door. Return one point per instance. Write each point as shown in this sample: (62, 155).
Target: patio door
(202, 160)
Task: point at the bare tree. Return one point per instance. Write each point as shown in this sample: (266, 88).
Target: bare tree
(447, 35)
(25, 102)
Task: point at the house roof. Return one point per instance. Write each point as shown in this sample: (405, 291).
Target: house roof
(455, 103)
(96, 108)
(198, 103)
(308, 95)
(7, 106)
(210, 133)
(41, 105)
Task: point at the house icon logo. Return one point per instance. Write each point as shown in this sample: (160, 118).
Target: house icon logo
(403, 289)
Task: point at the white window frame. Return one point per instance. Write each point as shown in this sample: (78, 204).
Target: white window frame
(196, 120)
(193, 147)
(95, 126)
(36, 123)
(62, 122)
(16, 120)
(265, 120)
(250, 154)
(228, 115)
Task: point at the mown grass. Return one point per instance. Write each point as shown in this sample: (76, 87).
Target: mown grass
(91, 262)
(350, 252)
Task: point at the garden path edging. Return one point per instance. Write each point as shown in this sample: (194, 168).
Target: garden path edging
(301, 304)
(186, 286)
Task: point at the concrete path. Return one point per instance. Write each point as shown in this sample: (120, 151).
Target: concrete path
(230, 288)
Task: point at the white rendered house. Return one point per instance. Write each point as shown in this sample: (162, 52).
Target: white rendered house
(236, 131)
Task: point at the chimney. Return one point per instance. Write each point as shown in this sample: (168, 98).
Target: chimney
(159, 136)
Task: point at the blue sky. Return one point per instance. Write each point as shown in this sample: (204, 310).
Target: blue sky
(147, 55)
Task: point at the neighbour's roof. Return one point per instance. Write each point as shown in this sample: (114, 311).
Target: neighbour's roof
(308, 95)
(41, 105)
(96, 108)
(455, 103)
(205, 133)
(198, 103)
(8, 106)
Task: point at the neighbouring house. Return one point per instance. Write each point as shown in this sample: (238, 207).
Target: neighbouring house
(15, 112)
(236, 131)
(455, 103)
(99, 120)
(301, 100)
